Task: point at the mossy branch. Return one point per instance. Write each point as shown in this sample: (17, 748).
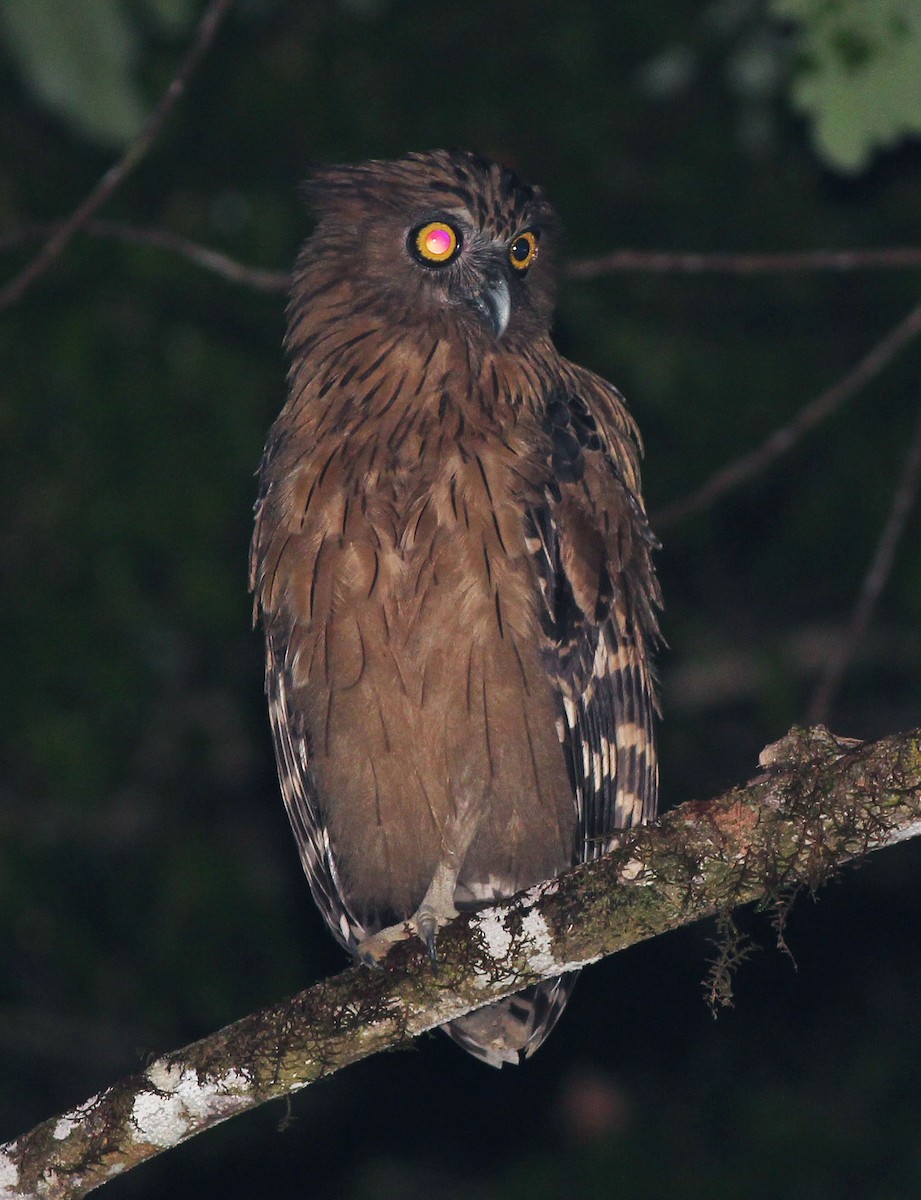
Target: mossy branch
(820, 802)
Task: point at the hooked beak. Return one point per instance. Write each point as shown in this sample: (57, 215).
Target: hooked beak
(494, 304)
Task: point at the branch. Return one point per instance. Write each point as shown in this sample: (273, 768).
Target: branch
(821, 802)
(119, 171)
(785, 438)
(874, 581)
(260, 279)
(659, 262)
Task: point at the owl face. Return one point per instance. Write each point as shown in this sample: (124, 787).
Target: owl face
(447, 240)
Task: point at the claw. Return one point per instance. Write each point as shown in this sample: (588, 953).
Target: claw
(374, 949)
(427, 925)
(367, 959)
(435, 910)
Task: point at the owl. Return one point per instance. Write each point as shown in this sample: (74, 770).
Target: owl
(452, 566)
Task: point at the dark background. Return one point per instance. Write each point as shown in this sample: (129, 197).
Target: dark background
(149, 888)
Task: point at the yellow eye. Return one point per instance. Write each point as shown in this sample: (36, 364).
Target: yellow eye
(434, 244)
(522, 250)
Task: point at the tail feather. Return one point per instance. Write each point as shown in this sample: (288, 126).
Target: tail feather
(512, 1029)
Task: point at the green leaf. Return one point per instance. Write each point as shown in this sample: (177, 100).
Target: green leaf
(76, 58)
(859, 74)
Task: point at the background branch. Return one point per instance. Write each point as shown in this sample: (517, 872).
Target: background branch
(729, 477)
(903, 500)
(650, 262)
(119, 171)
(260, 279)
(821, 802)
(684, 263)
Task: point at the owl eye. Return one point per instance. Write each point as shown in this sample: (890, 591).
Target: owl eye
(434, 244)
(522, 250)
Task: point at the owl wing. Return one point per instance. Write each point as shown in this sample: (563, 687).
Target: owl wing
(593, 547)
(292, 754)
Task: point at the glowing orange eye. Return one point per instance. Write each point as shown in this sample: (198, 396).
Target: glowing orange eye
(435, 243)
(522, 250)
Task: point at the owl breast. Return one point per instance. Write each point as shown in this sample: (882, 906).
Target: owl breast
(414, 657)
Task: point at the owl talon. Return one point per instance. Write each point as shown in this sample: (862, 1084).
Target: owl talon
(426, 921)
(424, 924)
(427, 926)
(374, 949)
(367, 959)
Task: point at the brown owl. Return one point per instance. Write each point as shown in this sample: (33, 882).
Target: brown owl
(451, 562)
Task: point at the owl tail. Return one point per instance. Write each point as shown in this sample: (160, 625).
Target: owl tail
(513, 1029)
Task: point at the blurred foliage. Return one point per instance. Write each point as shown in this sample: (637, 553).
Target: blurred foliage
(150, 890)
(859, 74)
(79, 59)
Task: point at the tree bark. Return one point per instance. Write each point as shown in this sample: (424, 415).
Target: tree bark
(820, 802)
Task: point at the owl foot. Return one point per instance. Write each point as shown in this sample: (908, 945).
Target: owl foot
(427, 922)
(437, 909)
(423, 924)
(373, 949)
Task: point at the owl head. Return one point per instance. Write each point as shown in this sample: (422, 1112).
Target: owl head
(444, 239)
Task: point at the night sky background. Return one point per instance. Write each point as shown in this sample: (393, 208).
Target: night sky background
(149, 888)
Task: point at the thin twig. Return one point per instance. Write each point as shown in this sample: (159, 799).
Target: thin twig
(657, 262)
(264, 280)
(781, 440)
(119, 171)
(227, 268)
(903, 500)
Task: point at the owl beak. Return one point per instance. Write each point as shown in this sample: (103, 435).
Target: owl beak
(494, 304)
